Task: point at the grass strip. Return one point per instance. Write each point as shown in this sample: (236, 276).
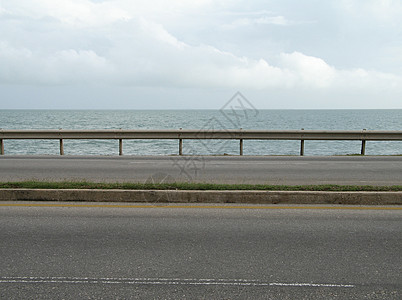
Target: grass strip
(194, 186)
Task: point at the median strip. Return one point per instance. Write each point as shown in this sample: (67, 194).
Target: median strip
(200, 193)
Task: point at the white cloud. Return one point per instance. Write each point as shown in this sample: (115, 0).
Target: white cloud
(151, 56)
(71, 12)
(309, 71)
(259, 20)
(158, 32)
(87, 13)
(77, 66)
(62, 67)
(12, 63)
(384, 11)
(130, 43)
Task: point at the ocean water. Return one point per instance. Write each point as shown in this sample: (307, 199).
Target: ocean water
(201, 119)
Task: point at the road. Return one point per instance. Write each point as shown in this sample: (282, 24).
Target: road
(199, 252)
(292, 170)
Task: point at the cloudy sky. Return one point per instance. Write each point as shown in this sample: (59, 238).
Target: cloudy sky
(178, 54)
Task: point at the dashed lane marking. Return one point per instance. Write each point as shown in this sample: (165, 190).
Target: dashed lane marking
(166, 281)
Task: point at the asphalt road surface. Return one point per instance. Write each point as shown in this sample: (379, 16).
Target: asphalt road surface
(368, 170)
(107, 251)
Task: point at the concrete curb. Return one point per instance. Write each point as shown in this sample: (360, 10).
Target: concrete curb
(180, 196)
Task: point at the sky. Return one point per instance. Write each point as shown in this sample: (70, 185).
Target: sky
(177, 54)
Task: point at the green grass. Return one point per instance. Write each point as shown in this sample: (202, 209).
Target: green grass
(191, 186)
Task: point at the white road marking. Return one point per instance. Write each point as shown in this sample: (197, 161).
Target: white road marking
(165, 281)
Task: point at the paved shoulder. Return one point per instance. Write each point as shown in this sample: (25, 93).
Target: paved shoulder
(368, 170)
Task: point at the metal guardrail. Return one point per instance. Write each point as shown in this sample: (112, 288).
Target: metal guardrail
(184, 134)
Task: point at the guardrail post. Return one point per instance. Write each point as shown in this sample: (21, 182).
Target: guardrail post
(363, 151)
(61, 147)
(120, 147)
(1, 147)
(302, 146)
(241, 146)
(180, 146)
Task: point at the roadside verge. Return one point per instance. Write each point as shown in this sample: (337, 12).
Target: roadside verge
(207, 196)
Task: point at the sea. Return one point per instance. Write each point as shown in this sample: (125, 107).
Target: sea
(390, 119)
